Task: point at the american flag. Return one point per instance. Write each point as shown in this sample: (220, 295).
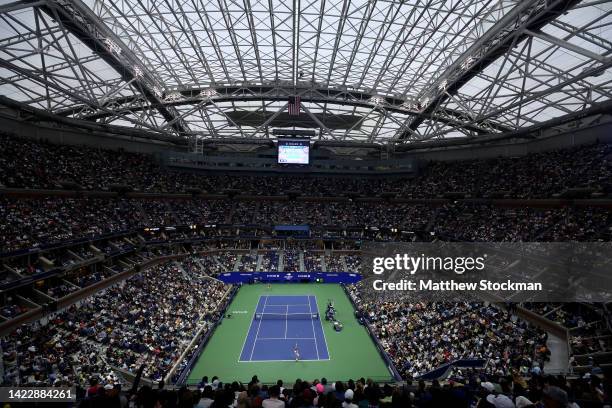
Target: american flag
(294, 105)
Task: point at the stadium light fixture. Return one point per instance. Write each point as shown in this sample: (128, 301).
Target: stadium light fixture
(377, 100)
(467, 63)
(112, 46)
(209, 92)
(158, 91)
(174, 96)
(410, 105)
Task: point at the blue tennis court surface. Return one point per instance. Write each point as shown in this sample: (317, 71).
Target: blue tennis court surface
(281, 322)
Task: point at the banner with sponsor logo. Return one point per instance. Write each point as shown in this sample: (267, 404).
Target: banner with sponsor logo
(289, 277)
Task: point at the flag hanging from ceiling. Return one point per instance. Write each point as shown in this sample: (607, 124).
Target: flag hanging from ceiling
(294, 105)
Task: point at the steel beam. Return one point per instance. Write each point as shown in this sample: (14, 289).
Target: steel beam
(527, 15)
(565, 44)
(320, 95)
(88, 28)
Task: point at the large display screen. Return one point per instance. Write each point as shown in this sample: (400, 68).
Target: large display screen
(293, 151)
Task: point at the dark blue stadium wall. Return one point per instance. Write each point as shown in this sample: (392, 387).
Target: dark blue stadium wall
(289, 277)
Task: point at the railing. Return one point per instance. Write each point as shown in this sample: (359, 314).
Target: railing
(182, 379)
(68, 243)
(442, 370)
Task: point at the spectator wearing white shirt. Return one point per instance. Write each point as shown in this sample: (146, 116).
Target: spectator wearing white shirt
(273, 401)
(348, 399)
(207, 398)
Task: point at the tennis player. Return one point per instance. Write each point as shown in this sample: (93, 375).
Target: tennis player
(296, 352)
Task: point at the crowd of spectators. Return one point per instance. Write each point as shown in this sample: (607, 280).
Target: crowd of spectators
(148, 319)
(227, 260)
(312, 261)
(574, 316)
(25, 163)
(248, 263)
(36, 222)
(353, 263)
(45, 355)
(587, 327)
(291, 260)
(61, 290)
(489, 224)
(466, 390)
(420, 337)
(269, 261)
(29, 223)
(151, 318)
(11, 309)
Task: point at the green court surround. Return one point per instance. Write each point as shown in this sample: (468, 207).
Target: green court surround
(353, 354)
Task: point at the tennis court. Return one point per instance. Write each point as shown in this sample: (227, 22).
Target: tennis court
(280, 324)
(341, 354)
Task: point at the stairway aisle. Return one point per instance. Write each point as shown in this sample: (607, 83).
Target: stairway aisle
(559, 355)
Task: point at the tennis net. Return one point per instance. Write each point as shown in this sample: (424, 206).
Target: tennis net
(286, 316)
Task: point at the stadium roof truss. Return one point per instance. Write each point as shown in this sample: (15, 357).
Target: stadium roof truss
(405, 71)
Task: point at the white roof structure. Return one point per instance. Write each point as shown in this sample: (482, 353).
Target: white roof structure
(374, 71)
